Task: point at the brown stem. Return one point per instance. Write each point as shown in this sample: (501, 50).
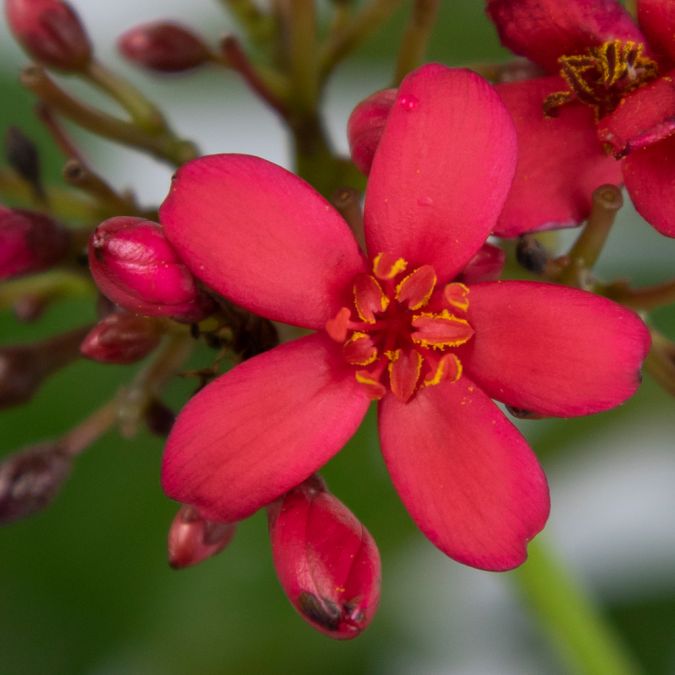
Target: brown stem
(660, 362)
(643, 299)
(416, 37)
(78, 439)
(57, 132)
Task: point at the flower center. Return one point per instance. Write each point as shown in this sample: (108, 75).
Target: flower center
(602, 76)
(402, 328)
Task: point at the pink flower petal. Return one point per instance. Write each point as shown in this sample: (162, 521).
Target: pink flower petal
(560, 161)
(465, 474)
(551, 349)
(263, 428)
(650, 181)
(657, 21)
(442, 170)
(262, 237)
(644, 117)
(543, 30)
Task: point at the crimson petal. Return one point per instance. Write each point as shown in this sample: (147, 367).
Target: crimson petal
(560, 161)
(551, 349)
(464, 472)
(262, 237)
(262, 428)
(442, 170)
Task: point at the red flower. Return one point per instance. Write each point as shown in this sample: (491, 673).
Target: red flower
(614, 89)
(435, 352)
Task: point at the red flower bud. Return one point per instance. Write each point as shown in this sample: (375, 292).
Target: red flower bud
(486, 265)
(50, 31)
(134, 265)
(121, 338)
(193, 539)
(30, 479)
(163, 46)
(29, 242)
(365, 127)
(326, 560)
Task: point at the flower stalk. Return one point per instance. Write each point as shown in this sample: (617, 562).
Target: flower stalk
(416, 37)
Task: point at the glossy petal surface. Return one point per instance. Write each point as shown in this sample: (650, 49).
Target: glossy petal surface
(465, 474)
(261, 429)
(551, 349)
(262, 237)
(442, 170)
(560, 161)
(650, 181)
(543, 30)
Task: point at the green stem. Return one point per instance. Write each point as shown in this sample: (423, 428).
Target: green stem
(259, 27)
(643, 299)
(143, 112)
(584, 638)
(51, 285)
(162, 145)
(416, 37)
(660, 362)
(607, 201)
(342, 43)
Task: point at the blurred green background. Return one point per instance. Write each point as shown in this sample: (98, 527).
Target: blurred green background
(85, 588)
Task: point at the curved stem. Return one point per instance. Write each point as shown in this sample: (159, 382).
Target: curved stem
(573, 622)
(416, 37)
(643, 299)
(45, 287)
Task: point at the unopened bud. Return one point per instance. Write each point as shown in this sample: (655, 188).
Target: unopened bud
(30, 479)
(23, 156)
(23, 368)
(121, 338)
(163, 46)
(134, 265)
(159, 418)
(531, 254)
(486, 265)
(326, 560)
(50, 31)
(193, 539)
(365, 127)
(29, 242)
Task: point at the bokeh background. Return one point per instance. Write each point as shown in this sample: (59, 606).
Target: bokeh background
(85, 587)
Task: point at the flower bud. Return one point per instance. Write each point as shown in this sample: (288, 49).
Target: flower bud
(23, 368)
(326, 560)
(193, 539)
(163, 46)
(365, 127)
(121, 338)
(30, 479)
(23, 156)
(50, 31)
(134, 265)
(486, 265)
(29, 242)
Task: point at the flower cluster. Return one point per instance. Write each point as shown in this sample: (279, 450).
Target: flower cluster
(416, 319)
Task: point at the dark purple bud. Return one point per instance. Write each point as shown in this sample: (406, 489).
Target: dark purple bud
(135, 266)
(531, 254)
(159, 418)
(30, 479)
(23, 157)
(121, 338)
(23, 368)
(50, 31)
(193, 539)
(326, 560)
(29, 242)
(163, 46)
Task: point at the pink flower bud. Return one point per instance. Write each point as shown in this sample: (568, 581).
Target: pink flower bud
(29, 242)
(326, 560)
(163, 46)
(365, 127)
(193, 539)
(486, 265)
(50, 31)
(134, 265)
(121, 338)
(30, 479)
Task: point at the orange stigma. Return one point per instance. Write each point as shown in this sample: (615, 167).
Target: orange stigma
(602, 76)
(401, 328)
